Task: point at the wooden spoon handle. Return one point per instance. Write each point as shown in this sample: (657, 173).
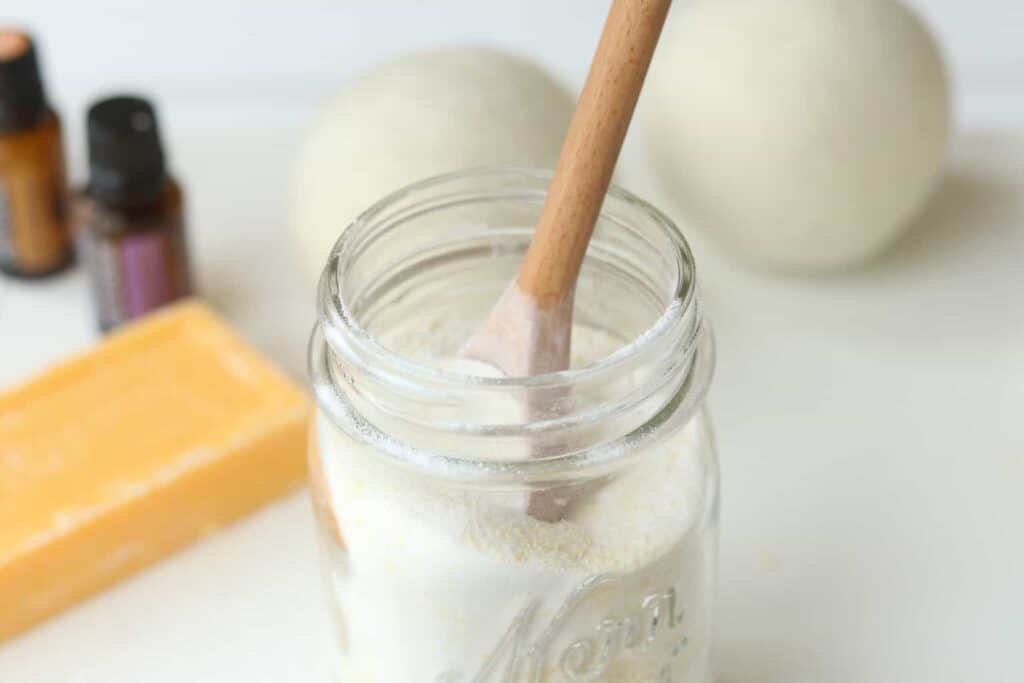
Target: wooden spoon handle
(591, 150)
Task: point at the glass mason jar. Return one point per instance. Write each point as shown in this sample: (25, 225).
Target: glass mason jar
(423, 470)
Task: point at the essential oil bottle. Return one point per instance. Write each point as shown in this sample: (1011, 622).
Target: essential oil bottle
(34, 237)
(129, 220)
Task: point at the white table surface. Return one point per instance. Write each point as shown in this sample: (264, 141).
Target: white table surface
(871, 424)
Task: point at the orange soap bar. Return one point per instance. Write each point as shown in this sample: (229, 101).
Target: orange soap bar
(110, 461)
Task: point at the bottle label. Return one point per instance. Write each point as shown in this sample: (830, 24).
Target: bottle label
(6, 250)
(138, 271)
(33, 228)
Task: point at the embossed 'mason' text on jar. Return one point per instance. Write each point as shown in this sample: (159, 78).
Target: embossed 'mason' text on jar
(423, 464)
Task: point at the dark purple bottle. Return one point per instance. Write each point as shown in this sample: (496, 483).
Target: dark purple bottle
(130, 223)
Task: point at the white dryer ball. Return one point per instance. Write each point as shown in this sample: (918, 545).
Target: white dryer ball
(804, 133)
(415, 117)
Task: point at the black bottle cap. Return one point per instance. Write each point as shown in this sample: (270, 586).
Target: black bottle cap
(126, 159)
(22, 100)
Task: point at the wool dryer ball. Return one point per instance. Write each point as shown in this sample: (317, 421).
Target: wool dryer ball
(418, 116)
(805, 134)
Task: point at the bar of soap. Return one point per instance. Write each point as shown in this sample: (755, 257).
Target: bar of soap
(110, 461)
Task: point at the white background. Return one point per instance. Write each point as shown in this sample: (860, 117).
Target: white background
(870, 423)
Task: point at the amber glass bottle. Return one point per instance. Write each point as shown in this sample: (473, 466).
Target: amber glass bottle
(34, 239)
(130, 221)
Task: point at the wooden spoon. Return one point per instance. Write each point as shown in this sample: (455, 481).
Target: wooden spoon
(529, 330)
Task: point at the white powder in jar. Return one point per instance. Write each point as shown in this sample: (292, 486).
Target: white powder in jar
(437, 583)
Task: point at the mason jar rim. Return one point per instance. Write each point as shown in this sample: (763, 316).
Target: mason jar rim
(335, 311)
